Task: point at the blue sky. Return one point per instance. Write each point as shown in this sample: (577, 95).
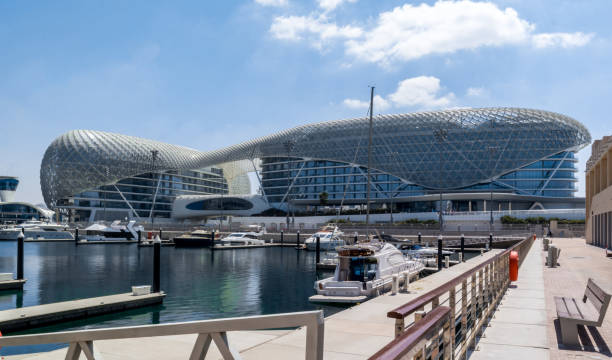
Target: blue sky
(211, 74)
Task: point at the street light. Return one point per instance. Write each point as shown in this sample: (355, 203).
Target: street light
(441, 135)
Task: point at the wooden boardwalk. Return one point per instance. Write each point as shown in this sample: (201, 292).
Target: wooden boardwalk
(519, 327)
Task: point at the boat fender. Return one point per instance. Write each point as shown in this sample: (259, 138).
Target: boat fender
(513, 266)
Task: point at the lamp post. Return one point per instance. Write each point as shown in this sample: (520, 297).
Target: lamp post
(492, 151)
(154, 154)
(441, 135)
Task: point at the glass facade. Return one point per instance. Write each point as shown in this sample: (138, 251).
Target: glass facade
(18, 213)
(287, 179)
(8, 184)
(141, 192)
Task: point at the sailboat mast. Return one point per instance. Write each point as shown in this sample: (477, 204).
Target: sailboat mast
(369, 163)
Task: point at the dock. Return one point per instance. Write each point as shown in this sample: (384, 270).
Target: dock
(31, 316)
(12, 284)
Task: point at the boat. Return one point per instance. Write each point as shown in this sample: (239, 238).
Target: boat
(364, 271)
(330, 238)
(197, 238)
(114, 232)
(251, 237)
(421, 251)
(37, 230)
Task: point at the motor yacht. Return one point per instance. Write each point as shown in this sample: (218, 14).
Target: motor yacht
(330, 238)
(251, 237)
(37, 230)
(197, 238)
(364, 271)
(421, 251)
(114, 232)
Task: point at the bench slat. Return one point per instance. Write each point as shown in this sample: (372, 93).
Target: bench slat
(567, 308)
(561, 308)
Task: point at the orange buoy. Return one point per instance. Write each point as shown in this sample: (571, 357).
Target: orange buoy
(514, 260)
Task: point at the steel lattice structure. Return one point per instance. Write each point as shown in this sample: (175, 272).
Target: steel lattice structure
(447, 149)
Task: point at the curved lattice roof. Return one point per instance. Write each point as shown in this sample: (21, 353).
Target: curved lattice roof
(447, 149)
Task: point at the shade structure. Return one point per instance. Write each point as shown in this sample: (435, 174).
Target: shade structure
(448, 149)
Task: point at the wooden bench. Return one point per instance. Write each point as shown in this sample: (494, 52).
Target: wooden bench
(572, 312)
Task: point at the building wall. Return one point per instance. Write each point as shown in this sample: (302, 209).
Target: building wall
(301, 181)
(599, 194)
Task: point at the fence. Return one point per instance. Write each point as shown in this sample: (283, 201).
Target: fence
(207, 330)
(467, 302)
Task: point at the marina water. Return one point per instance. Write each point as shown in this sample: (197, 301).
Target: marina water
(200, 283)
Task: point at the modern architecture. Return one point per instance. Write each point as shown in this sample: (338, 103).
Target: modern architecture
(599, 194)
(474, 159)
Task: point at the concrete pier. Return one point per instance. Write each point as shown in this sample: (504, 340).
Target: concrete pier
(31, 316)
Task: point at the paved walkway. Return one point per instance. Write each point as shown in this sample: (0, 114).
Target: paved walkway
(518, 329)
(578, 262)
(355, 333)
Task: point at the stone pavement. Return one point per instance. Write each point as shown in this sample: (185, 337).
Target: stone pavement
(519, 326)
(577, 263)
(355, 333)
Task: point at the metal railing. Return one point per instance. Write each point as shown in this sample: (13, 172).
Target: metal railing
(207, 330)
(471, 299)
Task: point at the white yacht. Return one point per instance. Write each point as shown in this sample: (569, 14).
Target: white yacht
(115, 232)
(37, 230)
(421, 251)
(330, 238)
(251, 237)
(364, 270)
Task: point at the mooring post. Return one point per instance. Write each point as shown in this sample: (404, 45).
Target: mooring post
(212, 240)
(490, 241)
(20, 257)
(297, 235)
(22, 231)
(462, 246)
(355, 239)
(156, 264)
(139, 237)
(440, 252)
(318, 257)
(160, 234)
(282, 237)
(419, 238)
(76, 236)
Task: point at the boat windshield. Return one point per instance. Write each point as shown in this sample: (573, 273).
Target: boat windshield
(356, 269)
(236, 235)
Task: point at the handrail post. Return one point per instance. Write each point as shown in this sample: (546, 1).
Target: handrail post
(481, 296)
(314, 338)
(463, 309)
(447, 337)
(473, 302)
(399, 326)
(452, 304)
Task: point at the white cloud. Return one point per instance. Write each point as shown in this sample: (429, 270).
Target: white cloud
(316, 30)
(475, 91)
(410, 31)
(422, 92)
(330, 5)
(380, 104)
(272, 2)
(564, 40)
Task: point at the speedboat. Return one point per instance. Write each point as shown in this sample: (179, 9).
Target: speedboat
(115, 232)
(364, 271)
(37, 230)
(196, 238)
(329, 238)
(251, 237)
(421, 251)
(242, 238)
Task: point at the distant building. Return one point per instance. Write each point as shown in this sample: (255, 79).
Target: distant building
(599, 194)
(17, 212)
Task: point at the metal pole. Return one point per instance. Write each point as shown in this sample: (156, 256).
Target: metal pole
(212, 240)
(139, 237)
(282, 237)
(20, 257)
(318, 257)
(463, 246)
(440, 252)
(297, 235)
(156, 265)
(369, 163)
(490, 240)
(160, 234)
(76, 236)
(419, 238)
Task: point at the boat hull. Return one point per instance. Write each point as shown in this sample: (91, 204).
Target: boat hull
(13, 235)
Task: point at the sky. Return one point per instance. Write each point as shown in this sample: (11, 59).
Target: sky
(209, 74)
